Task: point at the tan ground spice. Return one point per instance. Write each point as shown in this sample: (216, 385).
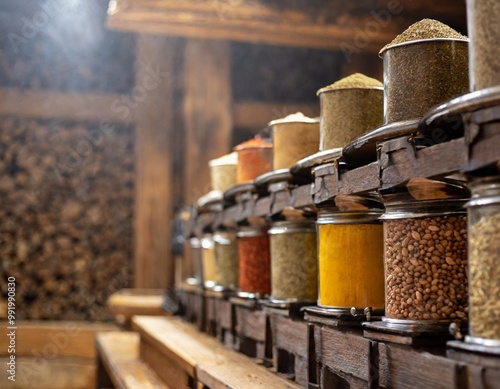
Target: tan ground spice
(425, 29)
(484, 278)
(356, 80)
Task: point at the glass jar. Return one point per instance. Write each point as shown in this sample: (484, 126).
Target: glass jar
(425, 256)
(350, 252)
(192, 269)
(226, 259)
(208, 260)
(482, 26)
(484, 253)
(294, 269)
(254, 261)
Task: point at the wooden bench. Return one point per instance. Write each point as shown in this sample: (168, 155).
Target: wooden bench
(186, 358)
(119, 365)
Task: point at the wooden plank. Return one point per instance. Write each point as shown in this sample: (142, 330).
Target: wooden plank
(154, 265)
(323, 24)
(55, 339)
(350, 354)
(45, 373)
(64, 105)
(289, 335)
(251, 323)
(256, 115)
(360, 180)
(166, 369)
(302, 197)
(206, 111)
(211, 363)
(129, 302)
(405, 368)
(119, 353)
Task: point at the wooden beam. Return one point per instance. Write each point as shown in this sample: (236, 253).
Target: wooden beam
(207, 112)
(154, 265)
(64, 105)
(324, 24)
(256, 115)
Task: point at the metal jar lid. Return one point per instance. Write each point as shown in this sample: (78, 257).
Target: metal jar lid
(251, 232)
(423, 208)
(349, 217)
(224, 237)
(194, 243)
(289, 227)
(485, 191)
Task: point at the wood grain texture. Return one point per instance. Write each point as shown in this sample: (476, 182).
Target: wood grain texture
(323, 25)
(154, 265)
(251, 323)
(119, 353)
(63, 105)
(44, 373)
(209, 361)
(55, 339)
(301, 197)
(405, 368)
(289, 335)
(350, 354)
(129, 302)
(206, 112)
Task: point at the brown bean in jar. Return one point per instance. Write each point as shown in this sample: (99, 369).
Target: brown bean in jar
(426, 267)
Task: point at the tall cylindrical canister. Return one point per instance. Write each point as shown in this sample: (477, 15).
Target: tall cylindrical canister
(254, 261)
(254, 159)
(424, 66)
(294, 137)
(425, 261)
(351, 270)
(482, 23)
(484, 256)
(294, 269)
(226, 259)
(349, 108)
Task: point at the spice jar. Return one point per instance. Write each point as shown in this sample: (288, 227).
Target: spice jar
(425, 257)
(192, 267)
(294, 269)
(223, 172)
(482, 23)
(484, 254)
(294, 137)
(208, 260)
(226, 259)
(254, 159)
(349, 108)
(350, 253)
(254, 261)
(424, 66)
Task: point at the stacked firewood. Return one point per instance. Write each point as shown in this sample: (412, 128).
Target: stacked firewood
(66, 208)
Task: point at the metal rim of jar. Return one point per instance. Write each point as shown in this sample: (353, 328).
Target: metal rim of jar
(327, 90)
(289, 227)
(224, 237)
(251, 232)
(481, 201)
(429, 322)
(424, 208)
(482, 341)
(195, 243)
(485, 191)
(341, 311)
(349, 217)
(207, 241)
(385, 49)
(306, 120)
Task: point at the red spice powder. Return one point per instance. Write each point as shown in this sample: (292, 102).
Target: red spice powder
(254, 159)
(255, 264)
